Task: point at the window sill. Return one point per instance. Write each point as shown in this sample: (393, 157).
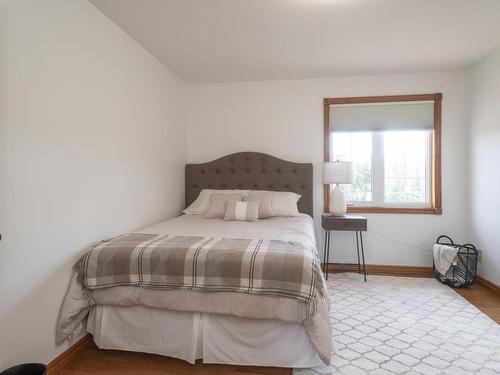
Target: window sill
(396, 210)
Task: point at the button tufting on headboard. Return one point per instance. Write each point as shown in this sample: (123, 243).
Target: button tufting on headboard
(250, 171)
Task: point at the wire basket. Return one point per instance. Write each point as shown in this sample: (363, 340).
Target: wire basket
(464, 270)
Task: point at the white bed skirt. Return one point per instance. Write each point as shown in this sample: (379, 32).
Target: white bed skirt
(211, 337)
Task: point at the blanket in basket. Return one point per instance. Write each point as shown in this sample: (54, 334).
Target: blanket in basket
(206, 264)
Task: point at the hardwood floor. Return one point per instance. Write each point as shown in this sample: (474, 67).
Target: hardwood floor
(483, 299)
(104, 362)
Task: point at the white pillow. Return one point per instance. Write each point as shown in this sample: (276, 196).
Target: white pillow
(200, 205)
(283, 203)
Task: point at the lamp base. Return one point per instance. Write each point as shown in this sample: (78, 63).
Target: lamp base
(337, 202)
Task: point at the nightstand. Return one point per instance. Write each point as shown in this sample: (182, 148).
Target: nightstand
(352, 223)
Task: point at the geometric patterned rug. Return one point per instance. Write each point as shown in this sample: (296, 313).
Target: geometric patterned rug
(400, 325)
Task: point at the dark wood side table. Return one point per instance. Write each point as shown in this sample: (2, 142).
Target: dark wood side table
(353, 223)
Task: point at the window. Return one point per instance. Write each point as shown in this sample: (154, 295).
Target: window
(394, 147)
(356, 148)
(398, 174)
(406, 167)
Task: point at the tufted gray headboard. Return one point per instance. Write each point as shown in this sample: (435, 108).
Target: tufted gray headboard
(252, 171)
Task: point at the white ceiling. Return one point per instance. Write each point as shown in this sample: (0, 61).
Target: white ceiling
(247, 40)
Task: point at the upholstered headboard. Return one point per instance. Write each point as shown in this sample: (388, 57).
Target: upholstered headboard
(252, 171)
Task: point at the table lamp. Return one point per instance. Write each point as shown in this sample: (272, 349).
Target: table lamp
(337, 172)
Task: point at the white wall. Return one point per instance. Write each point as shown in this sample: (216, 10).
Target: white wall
(285, 119)
(484, 119)
(92, 145)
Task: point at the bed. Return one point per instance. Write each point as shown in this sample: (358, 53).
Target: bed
(217, 327)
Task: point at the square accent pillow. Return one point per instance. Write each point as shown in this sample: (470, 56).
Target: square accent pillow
(265, 200)
(217, 204)
(242, 211)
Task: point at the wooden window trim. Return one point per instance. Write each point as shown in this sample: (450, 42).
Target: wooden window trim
(436, 193)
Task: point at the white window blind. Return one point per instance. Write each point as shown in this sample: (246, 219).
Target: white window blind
(382, 116)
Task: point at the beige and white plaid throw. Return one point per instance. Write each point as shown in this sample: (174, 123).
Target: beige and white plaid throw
(206, 264)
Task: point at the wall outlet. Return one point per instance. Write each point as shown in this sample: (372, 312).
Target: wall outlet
(480, 255)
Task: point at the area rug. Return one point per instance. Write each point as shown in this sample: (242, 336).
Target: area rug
(399, 325)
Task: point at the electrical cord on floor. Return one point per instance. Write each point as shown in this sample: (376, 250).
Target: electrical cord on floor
(397, 241)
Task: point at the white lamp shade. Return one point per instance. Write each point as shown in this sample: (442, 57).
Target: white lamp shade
(337, 172)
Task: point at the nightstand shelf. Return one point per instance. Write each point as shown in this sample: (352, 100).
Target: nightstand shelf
(352, 223)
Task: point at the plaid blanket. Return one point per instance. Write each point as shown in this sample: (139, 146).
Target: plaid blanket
(206, 264)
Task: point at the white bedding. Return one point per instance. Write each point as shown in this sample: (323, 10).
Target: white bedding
(299, 228)
(147, 323)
